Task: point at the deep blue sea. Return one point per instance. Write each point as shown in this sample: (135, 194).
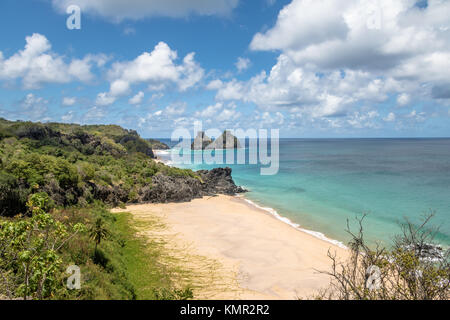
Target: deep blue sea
(323, 182)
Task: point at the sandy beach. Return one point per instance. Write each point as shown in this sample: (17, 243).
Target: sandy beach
(239, 251)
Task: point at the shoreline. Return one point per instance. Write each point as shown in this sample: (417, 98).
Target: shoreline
(255, 254)
(268, 210)
(271, 211)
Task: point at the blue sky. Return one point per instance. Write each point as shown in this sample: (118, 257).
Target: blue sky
(326, 68)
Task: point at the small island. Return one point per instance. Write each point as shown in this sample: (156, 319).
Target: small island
(225, 141)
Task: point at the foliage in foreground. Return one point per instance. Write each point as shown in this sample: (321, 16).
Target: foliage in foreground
(36, 250)
(415, 268)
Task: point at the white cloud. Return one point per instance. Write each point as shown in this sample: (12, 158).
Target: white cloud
(302, 23)
(360, 120)
(219, 112)
(290, 86)
(233, 90)
(119, 87)
(69, 101)
(210, 111)
(403, 99)
(242, 64)
(36, 65)
(394, 39)
(337, 56)
(267, 118)
(157, 68)
(190, 72)
(175, 109)
(390, 117)
(214, 84)
(137, 99)
(104, 99)
(118, 10)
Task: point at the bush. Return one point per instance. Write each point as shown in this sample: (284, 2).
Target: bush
(407, 271)
(12, 197)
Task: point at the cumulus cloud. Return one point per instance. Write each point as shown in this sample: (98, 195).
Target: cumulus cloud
(118, 10)
(337, 56)
(137, 99)
(158, 69)
(242, 64)
(303, 23)
(36, 65)
(320, 95)
(175, 109)
(403, 99)
(384, 35)
(214, 84)
(219, 112)
(105, 99)
(358, 34)
(390, 117)
(69, 101)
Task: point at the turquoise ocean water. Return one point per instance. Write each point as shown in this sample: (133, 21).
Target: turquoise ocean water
(323, 182)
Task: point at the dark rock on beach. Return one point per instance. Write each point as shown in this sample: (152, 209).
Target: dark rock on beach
(179, 189)
(219, 180)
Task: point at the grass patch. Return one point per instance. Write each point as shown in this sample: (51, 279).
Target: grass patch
(141, 258)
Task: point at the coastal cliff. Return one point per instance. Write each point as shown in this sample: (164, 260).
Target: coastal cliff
(78, 165)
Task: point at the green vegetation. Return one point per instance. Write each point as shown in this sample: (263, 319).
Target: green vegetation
(75, 165)
(157, 145)
(150, 278)
(57, 182)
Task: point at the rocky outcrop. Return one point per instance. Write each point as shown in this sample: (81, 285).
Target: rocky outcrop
(158, 145)
(201, 141)
(225, 141)
(219, 181)
(180, 189)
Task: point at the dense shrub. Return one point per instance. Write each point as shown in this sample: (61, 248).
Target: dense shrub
(74, 165)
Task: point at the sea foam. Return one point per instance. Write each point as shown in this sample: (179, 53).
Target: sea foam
(275, 214)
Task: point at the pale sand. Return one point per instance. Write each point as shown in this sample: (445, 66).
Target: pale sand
(237, 251)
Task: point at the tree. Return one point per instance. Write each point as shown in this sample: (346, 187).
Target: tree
(30, 265)
(98, 232)
(414, 268)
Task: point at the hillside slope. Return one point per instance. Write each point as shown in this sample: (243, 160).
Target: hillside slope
(76, 165)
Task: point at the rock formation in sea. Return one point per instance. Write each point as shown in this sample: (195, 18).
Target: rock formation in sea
(201, 141)
(225, 141)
